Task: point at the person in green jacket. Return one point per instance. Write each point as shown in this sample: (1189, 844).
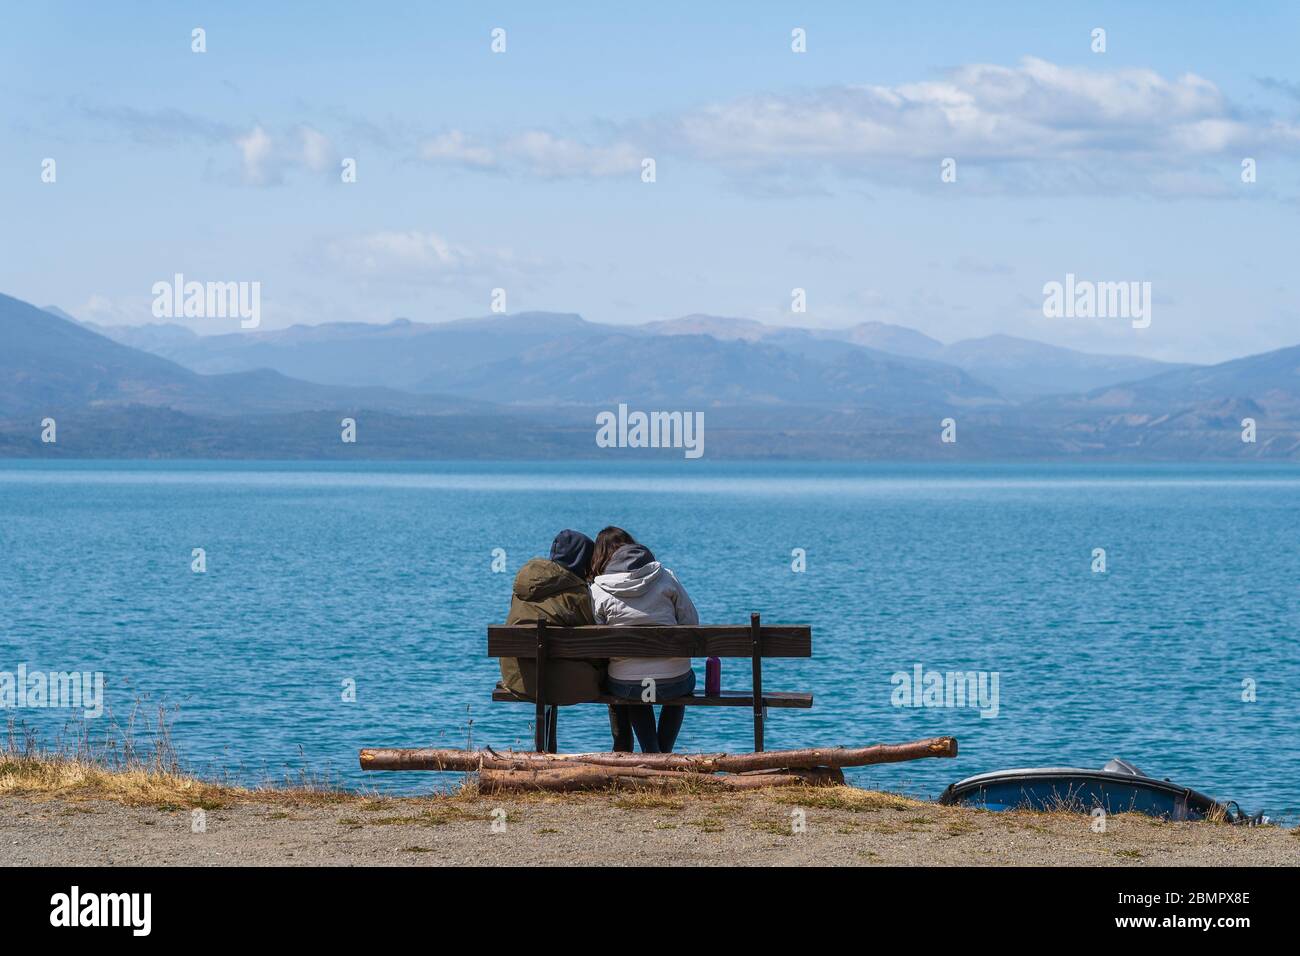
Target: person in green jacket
(555, 590)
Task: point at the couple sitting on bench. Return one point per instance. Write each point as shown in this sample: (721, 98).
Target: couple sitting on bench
(612, 580)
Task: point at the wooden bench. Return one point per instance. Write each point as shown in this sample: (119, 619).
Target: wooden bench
(542, 641)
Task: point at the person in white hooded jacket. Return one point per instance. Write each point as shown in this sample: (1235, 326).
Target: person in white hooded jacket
(630, 587)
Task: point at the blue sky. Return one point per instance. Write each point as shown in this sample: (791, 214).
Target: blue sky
(775, 170)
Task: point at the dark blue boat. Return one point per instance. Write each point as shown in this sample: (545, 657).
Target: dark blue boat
(1118, 787)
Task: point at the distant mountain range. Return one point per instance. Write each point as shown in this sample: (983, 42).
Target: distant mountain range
(1017, 368)
(528, 385)
(743, 360)
(49, 362)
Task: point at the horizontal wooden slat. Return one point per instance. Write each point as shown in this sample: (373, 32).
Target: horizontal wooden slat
(728, 698)
(603, 640)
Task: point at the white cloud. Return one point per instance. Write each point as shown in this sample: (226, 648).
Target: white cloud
(1028, 127)
(255, 151)
(417, 256)
(107, 310)
(318, 153)
(421, 251)
(455, 147)
(552, 156)
(535, 152)
(1036, 111)
(265, 157)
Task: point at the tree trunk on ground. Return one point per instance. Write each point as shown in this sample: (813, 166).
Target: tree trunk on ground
(812, 776)
(594, 777)
(473, 760)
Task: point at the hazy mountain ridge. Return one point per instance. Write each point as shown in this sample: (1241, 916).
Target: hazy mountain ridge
(400, 354)
(1018, 368)
(417, 356)
(701, 371)
(783, 393)
(1270, 379)
(51, 363)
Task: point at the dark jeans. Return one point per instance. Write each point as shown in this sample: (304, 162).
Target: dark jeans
(653, 739)
(620, 728)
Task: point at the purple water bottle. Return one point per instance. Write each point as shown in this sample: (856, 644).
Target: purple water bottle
(713, 677)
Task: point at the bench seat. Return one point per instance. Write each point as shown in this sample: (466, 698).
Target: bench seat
(541, 642)
(728, 698)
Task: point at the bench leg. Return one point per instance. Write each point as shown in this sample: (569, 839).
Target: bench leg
(756, 638)
(541, 719)
(552, 723)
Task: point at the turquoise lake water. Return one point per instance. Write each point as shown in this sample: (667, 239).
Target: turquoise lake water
(382, 574)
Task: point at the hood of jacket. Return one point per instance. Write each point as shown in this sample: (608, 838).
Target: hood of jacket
(572, 550)
(540, 578)
(632, 570)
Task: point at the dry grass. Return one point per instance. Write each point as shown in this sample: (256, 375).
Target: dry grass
(960, 826)
(844, 798)
(154, 778)
(57, 776)
(708, 825)
(132, 763)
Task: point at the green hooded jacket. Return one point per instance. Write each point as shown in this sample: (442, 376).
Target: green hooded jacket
(546, 591)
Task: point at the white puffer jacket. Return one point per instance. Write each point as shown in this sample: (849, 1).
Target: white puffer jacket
(650, 594)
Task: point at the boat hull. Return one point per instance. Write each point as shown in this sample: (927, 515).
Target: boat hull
(1067, 788)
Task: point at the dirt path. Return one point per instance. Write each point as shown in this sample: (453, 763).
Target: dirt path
(842, 827)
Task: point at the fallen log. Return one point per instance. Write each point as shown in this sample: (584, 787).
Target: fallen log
(581, 777)
(475, 760)
(578, 777)
(813, 776)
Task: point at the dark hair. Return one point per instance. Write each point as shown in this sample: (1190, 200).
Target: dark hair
(607, 542)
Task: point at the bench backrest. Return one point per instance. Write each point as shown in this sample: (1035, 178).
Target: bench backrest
(677, 640)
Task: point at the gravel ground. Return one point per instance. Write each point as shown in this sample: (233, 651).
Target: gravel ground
(842, 827)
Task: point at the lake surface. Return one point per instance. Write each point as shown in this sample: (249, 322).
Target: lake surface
(382, 574)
